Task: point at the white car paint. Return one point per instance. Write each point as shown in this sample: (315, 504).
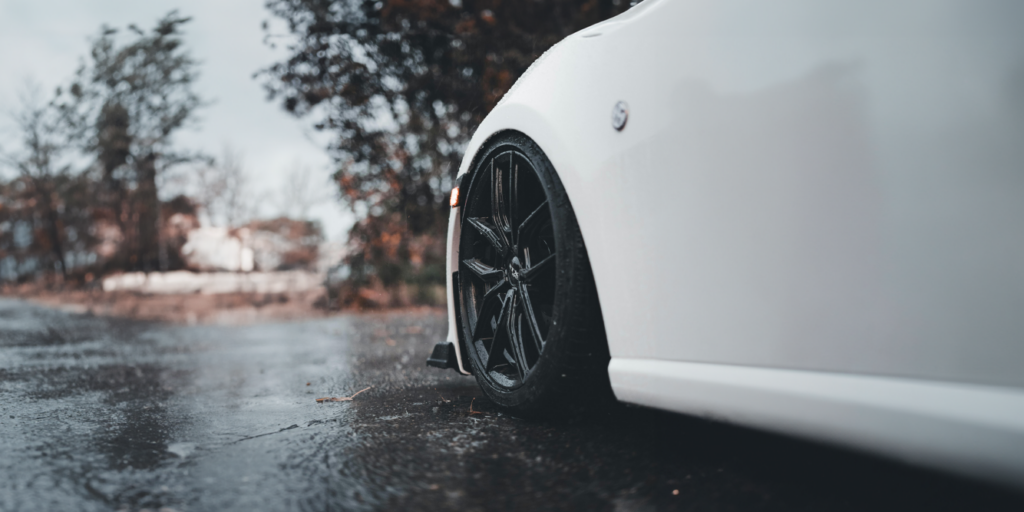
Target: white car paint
(802, 188)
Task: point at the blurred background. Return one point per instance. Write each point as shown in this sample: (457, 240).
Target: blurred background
(180, 159)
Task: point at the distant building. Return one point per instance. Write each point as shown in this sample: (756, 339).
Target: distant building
(212, 249)
(262, 245)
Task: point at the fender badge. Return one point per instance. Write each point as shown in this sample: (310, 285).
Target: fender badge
(619, 115)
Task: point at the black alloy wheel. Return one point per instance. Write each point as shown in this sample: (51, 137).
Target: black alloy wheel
(529, 306)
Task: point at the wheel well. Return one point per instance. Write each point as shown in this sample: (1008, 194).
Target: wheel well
(482, 150)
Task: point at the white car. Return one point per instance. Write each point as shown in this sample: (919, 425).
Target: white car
(797, 215)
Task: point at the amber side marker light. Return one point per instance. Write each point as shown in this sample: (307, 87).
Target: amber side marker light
(455, 197)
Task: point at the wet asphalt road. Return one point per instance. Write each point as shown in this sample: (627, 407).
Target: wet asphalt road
(106, 414)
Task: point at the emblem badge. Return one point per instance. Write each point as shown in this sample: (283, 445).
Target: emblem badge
(619, 115)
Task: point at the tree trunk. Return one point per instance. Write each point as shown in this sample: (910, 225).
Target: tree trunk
(45, 198)
(161, 241)
(148, 207)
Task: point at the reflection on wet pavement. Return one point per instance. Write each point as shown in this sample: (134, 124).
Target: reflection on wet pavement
(105, 414)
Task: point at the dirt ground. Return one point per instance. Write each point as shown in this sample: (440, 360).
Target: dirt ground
(188, 309)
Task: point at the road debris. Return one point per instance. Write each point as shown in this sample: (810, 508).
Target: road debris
(343, 398)
(471, 411)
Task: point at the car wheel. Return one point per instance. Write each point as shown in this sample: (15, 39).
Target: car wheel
(531, 321)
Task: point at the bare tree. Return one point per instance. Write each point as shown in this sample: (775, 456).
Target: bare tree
(41, 162)
(236, 205)
(127, 101)
(301, 191)
(222, 190)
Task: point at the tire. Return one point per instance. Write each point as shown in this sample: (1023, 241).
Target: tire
(531, 320)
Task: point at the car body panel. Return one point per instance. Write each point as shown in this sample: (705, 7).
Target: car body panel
(824, 187)
(965, 428)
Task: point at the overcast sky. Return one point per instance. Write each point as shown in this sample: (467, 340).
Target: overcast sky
(45, 40)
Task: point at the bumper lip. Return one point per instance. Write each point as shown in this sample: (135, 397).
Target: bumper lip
(454, 314)
(443, 356)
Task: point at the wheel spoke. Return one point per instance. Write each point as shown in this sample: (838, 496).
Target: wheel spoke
(531, 273)
(531, 318)
(532, 221)
(515, 338)
(496, 290)
(483, 270)
(492, 234)
(501, 332)
(498, 203)
(513, 203)
(488, 307)
(493, 357)
(511, 359)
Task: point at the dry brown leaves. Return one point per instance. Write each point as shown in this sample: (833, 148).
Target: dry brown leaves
(342, 398)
